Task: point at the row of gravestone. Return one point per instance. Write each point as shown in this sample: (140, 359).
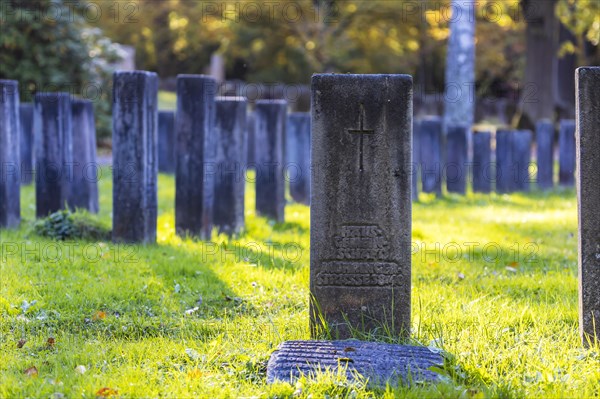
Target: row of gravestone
(61, 131)
(508, 164)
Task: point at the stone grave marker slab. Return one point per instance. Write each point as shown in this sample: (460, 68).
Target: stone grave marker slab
(483, 174)
(544, 131)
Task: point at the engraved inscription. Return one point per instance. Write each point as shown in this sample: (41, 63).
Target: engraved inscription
(359, 274)
(361, 243)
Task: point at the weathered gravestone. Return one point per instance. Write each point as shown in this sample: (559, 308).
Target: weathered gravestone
(230, 182)
(361, 203)
(84, 188)
(54, 152)
(456, 169)
(482, 162)
(166, 141)
(544, 131)
(251, 126)
(26, 142)
(588, 195)
(135, 166)
(416, 156)
(297, 143)
(513, 156)
(196, 151)
(360, 234)
(10, 186)
(566, 153)
(431, 154)
(269, 136)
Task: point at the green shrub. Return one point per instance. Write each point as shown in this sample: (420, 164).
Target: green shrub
(65, 225)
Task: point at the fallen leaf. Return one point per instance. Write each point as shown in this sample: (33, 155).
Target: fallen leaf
(99, 315)
(514, 264)
(21, 343)
(194, 374)
(106, 392)
(31, 371)
(80, 369)
(51, 341)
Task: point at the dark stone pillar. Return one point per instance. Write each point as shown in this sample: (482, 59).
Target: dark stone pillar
(298, 156)
(10, 186)
(431, 154)
(544, 131)
(483, 174)
(457, 168)
(27, 158)
(566, 153)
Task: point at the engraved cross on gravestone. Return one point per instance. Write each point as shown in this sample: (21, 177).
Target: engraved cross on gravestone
(361, 131)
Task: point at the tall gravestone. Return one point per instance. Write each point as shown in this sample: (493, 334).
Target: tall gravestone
(521, 148)
(360, 274)
(416, 156)
(135, 166)
(544, 131)
(166, 141)
(566, 153)
(297, 162)
(84, 188)
(457, 166)
(230, 182)
(26, 143)
(196, 151)
(431, 154)
(269, 152)
(482, 162)
(251, 126)
(588, 195)
(54, 152)
(10, 186)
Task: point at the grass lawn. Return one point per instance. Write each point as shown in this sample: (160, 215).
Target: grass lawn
(184, 318)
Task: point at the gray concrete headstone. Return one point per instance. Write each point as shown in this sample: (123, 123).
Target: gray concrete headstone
(360, 274)
(230, 182)
(456, 167)
(431, 154)
(135, 164)
(588, 195)
(270, 158)
(297, 163)
(84, 188)
(380, 363)
(251, 126)
(10, 186)
(483, 173)
(513, 156)
(544, 131)
(196, 152)
(54, 152)
(27, 151)
(566, 153)
(166, 142)
(416, 157)
(521, 147)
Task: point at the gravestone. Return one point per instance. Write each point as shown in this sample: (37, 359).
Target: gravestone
(135, 166)
(521, 147)
(251, 126)
(297, 164)
(544, 131)
(431, 154)
(456, 169)
(26, 143)
(54, 152)
(483, 174)
(379, 363)
(588, 200)
(84, 188)
(566, 153)
(416, 156)
(166, 142)
(196, 151)
(230, 182)
(269, 152)
(360, 274)
(10, 186)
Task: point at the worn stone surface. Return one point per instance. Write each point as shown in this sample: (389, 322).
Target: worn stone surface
(230, 182)
(457, 164)
(166, 142)
(566, 153)
(588, 195)
(505, 168)
(416, 156)
(297, 141)
(10, 186)
(483, 173)
(360, 274)
(135, 164)
(26, 143)
(196, 152)
(544, 131)
(54, 152)
(269, 136)
(431, 154)
(380, 363)
(251, 126)
(521, 148)
(84, 188)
